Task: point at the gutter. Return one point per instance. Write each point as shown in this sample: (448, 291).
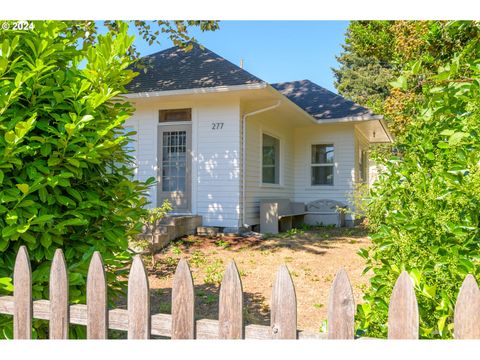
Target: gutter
(350, 119)
(244, 147)
(206, 90)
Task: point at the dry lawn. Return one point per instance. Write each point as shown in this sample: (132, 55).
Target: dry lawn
(313, 257)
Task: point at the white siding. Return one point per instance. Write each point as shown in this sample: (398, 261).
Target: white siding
(255, 190)
(145, 148)
(215, 155)
(216, 158)
(343, 139)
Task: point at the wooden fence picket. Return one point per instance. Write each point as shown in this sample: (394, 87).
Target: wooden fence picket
(341, 308)
(140, 323)
(97, 314)
(183, 303)
(230, 312)
(467, 310)
(138, 301)
(59, 309)
(403, 310)
(22, 282)
(283, 316)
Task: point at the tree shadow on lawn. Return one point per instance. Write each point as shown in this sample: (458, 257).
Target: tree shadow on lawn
(256, 309)
(316, 241)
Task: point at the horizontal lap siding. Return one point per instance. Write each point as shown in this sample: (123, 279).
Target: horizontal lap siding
(145, 123)
(255, 127)
(218, 164)
(342, 136)
(215, 155)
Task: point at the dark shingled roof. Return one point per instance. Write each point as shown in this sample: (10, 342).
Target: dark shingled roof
(319, 102)
(175, 69)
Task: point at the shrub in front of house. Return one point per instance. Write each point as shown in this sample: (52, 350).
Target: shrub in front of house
(424, 211)
(65, 176)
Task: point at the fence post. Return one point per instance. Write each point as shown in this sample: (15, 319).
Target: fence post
(22, 294)
(403, 310)
(59, 316)
(283, 316)
(183, 303)
(341, 308)
(138, 301)
(230, 312)
(467, 310)
(97, 314)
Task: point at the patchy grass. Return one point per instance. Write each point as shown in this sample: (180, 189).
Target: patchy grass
(312, 254)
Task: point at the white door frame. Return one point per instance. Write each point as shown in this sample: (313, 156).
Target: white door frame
(181, 200)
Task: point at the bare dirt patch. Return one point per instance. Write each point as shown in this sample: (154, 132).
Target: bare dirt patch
(313, 258)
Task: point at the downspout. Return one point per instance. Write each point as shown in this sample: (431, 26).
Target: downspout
(244, 148)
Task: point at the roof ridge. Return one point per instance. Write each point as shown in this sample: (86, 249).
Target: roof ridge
(203, 48)
(320, 102)
(174, 69)
(320, 86)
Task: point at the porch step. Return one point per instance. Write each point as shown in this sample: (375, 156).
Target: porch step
(207, 230)
(171, 228)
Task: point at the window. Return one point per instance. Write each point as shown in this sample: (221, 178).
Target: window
(270, 160)
(363, 166)
(322, 164)
(174, 160)
(175, 115)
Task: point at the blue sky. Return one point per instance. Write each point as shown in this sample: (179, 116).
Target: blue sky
(275, 51)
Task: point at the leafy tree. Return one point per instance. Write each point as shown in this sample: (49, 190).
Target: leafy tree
(366, 65)
(375, 52)
(424, 210)
(363, 80)
(65, 176)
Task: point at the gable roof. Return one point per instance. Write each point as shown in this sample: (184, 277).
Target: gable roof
(176, 69)
(319, 102)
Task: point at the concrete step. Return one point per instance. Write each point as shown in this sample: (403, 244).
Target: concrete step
(172, 227)
(207, 230)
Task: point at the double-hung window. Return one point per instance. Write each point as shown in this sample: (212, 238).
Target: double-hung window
(270, 160)
(322, 164)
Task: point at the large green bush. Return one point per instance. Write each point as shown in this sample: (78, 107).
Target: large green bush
(424, 211)
(65, 177)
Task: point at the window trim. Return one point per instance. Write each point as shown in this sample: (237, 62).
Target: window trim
(363, 166)
(162, 122)
(279, 183)
(312, 165)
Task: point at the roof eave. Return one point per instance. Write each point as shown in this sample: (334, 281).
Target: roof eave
(206, 90)
(362, 118)
(350, 119)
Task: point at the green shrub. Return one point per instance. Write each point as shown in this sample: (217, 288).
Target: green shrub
(150, 223)
(424, 211)
(65, 177)
(214, 272)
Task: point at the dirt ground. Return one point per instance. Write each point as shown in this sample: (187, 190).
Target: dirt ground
(313, 257)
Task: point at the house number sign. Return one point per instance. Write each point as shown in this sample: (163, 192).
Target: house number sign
(217, 126)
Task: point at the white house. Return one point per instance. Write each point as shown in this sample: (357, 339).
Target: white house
(218, 139)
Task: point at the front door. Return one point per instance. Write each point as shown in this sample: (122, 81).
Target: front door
(174, 162)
